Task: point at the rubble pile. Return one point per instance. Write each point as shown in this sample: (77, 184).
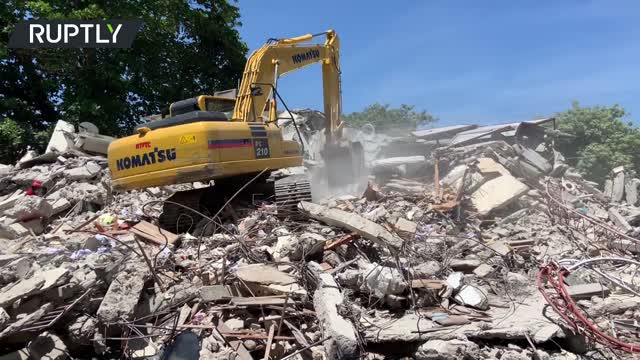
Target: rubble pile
(488, 246)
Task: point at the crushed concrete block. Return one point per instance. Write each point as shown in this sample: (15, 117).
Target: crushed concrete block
(5, 169)
(619, 220)
(535, 159)
(608, 188)
(367, 229)
(234, 324)
(213, 293)
(29, 207)
(9, 201)
(382, 280)
(12, 231)
(82, 330)
(36, 226)
(4, 319)
(342, 341)
(425, 270)
(93, 143)
(488, 166)
(454, 176)
(59, 206)
(120, 301)
(12, 292)
(483, 270)
(264, 274)
(497, 193)
(382, 165)
(405, 228)
(631, 189)
(472, 296)
(518, 284)
(617, 191)
(447, 349)
(295, 247)
(464, 265)
(62, 137)
(89, 171)
(455, 280)
(22, 354)
(587, 291)
(48, 346)
(30, 318)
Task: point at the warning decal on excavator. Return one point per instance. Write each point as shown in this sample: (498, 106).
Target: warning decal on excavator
(187, 139)
(261, 147)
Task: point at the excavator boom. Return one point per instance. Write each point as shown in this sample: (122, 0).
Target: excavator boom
(279, 57)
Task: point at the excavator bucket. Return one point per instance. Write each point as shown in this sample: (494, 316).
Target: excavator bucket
(345, 164)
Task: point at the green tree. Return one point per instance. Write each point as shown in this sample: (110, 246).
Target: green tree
(601, 140)
(385, 119)
(185, 48)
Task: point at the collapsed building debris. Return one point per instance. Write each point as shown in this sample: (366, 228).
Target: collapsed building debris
(437, 259)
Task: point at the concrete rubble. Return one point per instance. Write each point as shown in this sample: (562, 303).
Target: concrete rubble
(439, 258)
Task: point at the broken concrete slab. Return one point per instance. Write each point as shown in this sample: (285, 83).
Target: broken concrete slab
(342, 342)
(382, 280)
(120, 301)
(28, 319)
(617, 190)
(12, 231)
(473, 296)
(29, 207)
(488, 166)
(535, 159)
(454, 175)
(447, 349)
(59, 206)
(82, 330)
(390, 163)
(93, 143)
(497, 193)
(356, 223)
(48, 346)
(587, 291)
(631, 189)
(264, 274)
(12, 292)
(619, 220)
(62, 137)
(214, 293)
(405, 228)
(464, 265)
(89, 171)
(4, 319)
(483, 270)
(608, 188)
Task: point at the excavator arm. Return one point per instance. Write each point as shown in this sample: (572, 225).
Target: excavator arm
(282, 56)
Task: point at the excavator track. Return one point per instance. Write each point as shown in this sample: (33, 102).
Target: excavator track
(289, 192)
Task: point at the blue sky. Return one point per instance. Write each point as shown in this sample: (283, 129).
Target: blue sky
(464, 61)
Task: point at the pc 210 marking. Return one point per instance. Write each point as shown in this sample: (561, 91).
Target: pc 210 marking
(261, 147)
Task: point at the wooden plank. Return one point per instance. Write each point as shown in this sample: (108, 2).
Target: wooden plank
(427, 284)
(267, 349)
(150, 232)
(258, 301)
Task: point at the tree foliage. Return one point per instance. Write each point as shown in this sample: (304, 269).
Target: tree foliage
(185, 48)
(602, 140)
(384, 118)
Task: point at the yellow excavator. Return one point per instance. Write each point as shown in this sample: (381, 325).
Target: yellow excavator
(231, 139)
